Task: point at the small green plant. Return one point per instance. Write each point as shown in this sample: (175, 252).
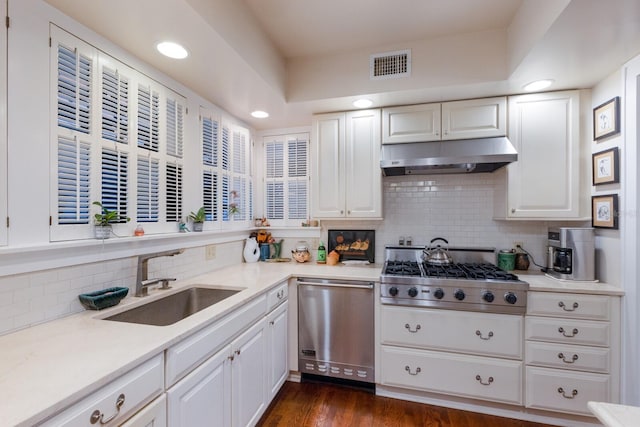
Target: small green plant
(199, 216)
(106, 217)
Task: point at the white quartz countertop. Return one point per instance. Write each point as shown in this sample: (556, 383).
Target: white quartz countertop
(612, 415)
(45, 368)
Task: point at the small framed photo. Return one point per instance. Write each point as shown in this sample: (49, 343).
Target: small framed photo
(605, 167)
(604, 211)
(606, 119)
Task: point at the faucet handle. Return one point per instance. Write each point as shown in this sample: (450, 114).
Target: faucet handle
(165, 282)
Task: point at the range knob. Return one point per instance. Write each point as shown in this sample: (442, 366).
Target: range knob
(488, 296)
(413, 292)
(510, 297)
(438, 293)
(393, 291)
(459, 294)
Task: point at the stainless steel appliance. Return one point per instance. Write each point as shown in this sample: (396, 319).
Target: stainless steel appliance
(571, 253)
(472, 282)
(336, 329)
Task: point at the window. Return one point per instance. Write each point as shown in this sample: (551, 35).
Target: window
(226, 177)
(132, 161)
(286, 178)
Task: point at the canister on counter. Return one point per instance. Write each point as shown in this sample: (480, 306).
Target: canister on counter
(507, 259)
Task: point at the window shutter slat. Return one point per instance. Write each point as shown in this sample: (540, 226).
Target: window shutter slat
(148, 190)
(74, 90)
(74, 164)
(174, 192)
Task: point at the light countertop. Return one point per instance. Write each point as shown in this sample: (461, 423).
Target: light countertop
(612, 415)
(48, 367)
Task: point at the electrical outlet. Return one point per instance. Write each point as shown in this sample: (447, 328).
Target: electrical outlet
(516, 244)
(210, 252)
(314, 243)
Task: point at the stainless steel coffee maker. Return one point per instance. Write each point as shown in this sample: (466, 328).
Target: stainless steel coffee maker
(571, 253)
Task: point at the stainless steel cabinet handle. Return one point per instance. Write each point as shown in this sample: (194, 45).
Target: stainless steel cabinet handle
(489, 335)
(564, 359)
(564, 333)
(98, 416)
(337, 284)
(231, 357)
(565, 308)
(238, 352)
(479, 379)
(280, 294)
(574, 393)
(409, 328)
(408, 369)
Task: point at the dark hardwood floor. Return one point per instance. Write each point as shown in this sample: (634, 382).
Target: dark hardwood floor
(323, 405)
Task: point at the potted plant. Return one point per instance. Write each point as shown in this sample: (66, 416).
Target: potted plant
(198, 218)
(104, 219)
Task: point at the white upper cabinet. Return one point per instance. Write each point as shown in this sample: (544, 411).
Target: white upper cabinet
(545, 181)
(411, 123)
(475, 118)
(346, 165)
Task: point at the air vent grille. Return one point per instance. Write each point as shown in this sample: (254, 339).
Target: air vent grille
(390, 65)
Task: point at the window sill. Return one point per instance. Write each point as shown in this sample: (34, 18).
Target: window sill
(24, 259)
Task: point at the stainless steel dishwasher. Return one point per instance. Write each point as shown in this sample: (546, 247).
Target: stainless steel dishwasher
(335, 328)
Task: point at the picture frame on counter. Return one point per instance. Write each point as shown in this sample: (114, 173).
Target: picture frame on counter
(604, 211)
(606, 119)
(606, 167)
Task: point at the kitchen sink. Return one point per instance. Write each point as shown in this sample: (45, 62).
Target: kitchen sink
(173, 308)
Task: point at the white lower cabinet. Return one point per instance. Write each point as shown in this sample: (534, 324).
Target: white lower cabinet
(277, 339)
(152, 415)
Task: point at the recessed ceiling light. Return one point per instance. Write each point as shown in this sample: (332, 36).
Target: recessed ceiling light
(172, 50)
(260, 114)
(362, 103)
(537, 85)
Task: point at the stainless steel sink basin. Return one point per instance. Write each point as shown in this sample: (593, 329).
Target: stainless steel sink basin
(173, 308)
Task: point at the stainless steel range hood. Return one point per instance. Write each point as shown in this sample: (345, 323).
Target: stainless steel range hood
(437, 157)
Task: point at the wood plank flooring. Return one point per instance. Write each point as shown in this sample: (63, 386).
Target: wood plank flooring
(319, 404)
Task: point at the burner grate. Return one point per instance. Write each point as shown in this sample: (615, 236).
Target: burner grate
(403, 268)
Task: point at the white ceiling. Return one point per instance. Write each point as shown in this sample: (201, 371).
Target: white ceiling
(293, 58)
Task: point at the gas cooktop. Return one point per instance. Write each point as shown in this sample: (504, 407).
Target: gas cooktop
(474, 284)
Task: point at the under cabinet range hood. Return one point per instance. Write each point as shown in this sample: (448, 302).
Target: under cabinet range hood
(438, 157)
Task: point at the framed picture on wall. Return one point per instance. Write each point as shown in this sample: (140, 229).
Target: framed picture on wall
(606, 119)
(605, 167)
(604, 211)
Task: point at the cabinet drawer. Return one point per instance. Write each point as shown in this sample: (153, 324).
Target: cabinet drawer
(458, 331)
(556, 390)
(133, 389)
(277, 295)
(189, 353)
(585, 332)
(576, 306)
(152, 415)
(565, 356)
(470, 376)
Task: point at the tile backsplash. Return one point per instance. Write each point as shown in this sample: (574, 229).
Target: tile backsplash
(32, 298)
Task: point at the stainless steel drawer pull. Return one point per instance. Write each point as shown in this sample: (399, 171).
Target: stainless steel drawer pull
(564, 333)
(489, 381)
(565, 308)
(489, 335)
(280, 294)
(574, 393)
(409, 328)
(573, 359)
(98, 416)
(408, 369)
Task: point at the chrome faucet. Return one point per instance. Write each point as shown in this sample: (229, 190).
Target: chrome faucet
(142, 282)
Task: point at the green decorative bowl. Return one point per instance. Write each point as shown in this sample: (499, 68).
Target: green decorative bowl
(102, 299)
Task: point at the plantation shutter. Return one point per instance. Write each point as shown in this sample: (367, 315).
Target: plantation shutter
(148, 118)
(209, 142)
(274, 173)
(74, 89)
(298, 194)
(174, 192)
(115, 106)
(74, 167)
(210, 192)
(175, 127)
(115, 176)
(148, 185)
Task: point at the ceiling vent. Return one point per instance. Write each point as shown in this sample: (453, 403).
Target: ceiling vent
(390, 65)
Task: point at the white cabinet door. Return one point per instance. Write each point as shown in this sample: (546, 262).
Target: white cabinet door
(277, 323)
(363, 177)
(152, 415)
(474, 118)
(248, 376)
(411, 123)
(347, 181)
(203, 397)
(328, 186)
(545, 181)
